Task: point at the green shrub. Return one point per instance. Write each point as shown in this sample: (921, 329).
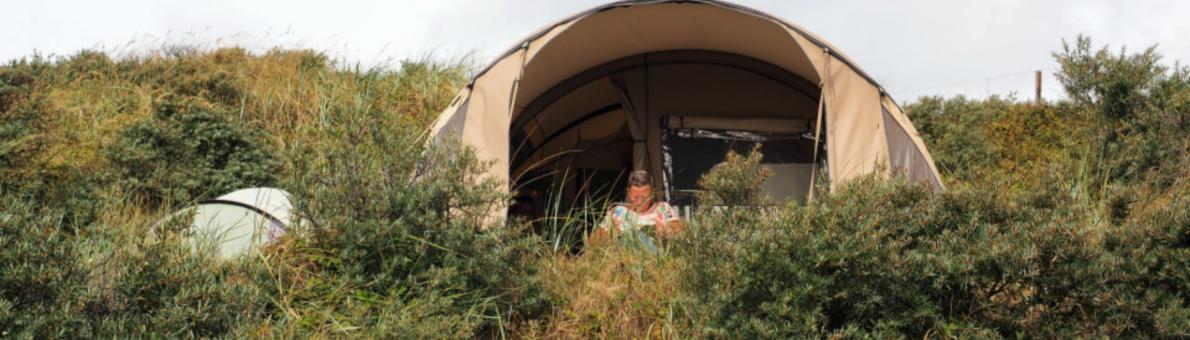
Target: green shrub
(19, 112)
(183, 154)
(63, 280)
(23, 175)
(881, 258)
(735, 181)
(951, 129)
(17, 141)
(802, 271)
(402, 242)
(1143, 110)
(40, 272)
(1117, 86)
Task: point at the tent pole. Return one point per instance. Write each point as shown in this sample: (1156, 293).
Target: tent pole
(516, 85)
(818, 125)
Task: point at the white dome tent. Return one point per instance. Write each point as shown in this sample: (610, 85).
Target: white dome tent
(239, 222)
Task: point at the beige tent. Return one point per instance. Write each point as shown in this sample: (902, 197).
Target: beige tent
(669, 86)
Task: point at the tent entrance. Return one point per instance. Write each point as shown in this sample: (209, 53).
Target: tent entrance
(584, 163)
(673, 113)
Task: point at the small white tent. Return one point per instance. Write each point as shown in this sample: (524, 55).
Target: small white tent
(239, 222)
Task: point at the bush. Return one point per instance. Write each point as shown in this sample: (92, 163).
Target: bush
(881, 258)
(24, 175)
(68, 280)
(403, 243)
(802, 271)
(19, 114)
(183, 154)
(952, 130)
(735, 181)
(1143, 110)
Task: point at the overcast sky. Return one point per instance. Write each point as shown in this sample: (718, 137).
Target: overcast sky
(912, 48)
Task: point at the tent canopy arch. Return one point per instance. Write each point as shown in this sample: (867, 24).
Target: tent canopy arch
(748, 86)
(609, 83)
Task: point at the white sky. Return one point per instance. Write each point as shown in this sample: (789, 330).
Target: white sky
(912, 48)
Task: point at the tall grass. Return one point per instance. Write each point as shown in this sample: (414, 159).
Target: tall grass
(292, 95)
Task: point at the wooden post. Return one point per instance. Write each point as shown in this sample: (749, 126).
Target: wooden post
(1037, 87)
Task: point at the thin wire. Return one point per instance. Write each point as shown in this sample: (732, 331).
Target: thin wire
(972, 81)
(1006, 75)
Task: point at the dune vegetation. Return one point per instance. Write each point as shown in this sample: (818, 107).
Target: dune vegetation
(1069, 218)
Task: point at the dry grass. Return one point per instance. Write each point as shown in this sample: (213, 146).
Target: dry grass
(611, 292)
(292, 95)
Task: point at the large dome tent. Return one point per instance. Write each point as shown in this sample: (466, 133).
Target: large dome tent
(670, 86)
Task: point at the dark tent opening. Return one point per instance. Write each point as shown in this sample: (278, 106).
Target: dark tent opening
(673, 113)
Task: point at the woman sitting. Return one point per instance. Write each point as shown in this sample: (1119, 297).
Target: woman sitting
(633, 222)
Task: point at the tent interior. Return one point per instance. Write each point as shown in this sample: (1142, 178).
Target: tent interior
(674, 113)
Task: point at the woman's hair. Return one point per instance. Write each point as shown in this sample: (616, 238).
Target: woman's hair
(639, 178)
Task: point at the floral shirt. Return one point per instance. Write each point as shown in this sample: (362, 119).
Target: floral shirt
(637, 229)
(628, 220)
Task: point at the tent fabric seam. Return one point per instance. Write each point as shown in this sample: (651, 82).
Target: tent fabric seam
(284, 226)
